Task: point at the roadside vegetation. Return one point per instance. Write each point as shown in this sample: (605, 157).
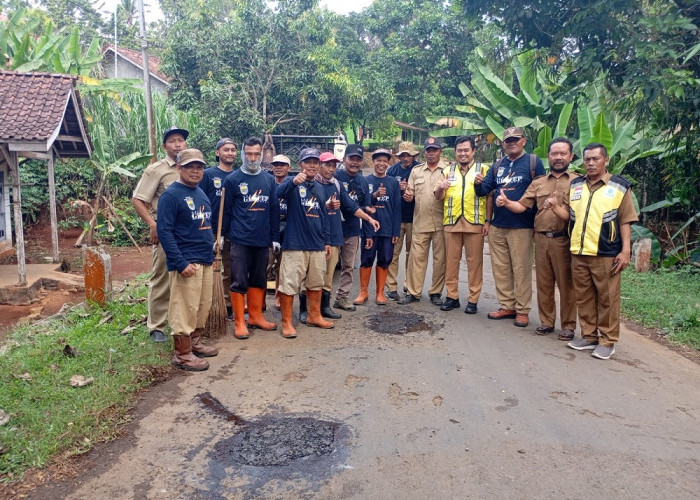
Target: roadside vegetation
(44, 417)
(668, 300)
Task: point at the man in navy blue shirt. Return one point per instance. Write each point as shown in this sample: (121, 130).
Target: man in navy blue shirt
(511, 234)
(251, 217)
(211, 184)
(351, 178)
(379, 244)
(184, 232)
(307, 243)
(400, 171)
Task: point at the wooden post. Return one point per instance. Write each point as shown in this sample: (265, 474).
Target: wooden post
(17, 209)
(52, 208)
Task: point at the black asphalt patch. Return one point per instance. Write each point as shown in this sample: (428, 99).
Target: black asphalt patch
(397, 322)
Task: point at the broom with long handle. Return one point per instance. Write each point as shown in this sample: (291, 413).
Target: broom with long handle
(216, 321)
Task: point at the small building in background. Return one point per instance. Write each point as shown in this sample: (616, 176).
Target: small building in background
(130, 65)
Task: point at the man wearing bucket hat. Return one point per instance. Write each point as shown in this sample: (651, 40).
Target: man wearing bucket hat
(427, 226)
(184, 230)
(511, 234)
(401, 171)
(307, 243)
(153, 183)
(211, 184)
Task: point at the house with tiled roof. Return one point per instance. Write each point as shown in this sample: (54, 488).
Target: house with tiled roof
(129, 64)
(41, 117)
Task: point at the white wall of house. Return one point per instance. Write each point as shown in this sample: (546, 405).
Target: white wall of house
(5, 213)
(127, 69)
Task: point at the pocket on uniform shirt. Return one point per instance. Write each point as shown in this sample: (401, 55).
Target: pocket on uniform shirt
(420, 180)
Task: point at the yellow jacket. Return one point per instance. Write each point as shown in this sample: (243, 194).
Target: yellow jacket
(460, 198)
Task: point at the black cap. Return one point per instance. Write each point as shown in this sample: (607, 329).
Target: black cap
(432, 142)
(175, 130)
(354, 150)
(307, 153)
(224, 141)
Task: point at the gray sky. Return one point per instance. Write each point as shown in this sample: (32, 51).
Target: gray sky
(153, 8)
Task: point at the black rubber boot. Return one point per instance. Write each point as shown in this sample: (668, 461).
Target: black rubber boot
(326, 310)
(302, 308)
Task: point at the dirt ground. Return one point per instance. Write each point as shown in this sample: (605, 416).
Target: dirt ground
(127, 262)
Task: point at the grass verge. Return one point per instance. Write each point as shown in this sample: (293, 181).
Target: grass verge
(47, 417)
(668, 300)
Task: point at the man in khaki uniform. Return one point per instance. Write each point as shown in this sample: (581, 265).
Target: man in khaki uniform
(552, 255)
(467, 218)
(427, 226)
(154, 181)
(600, 214)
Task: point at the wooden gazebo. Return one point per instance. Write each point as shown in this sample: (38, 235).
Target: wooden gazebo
(41, 117)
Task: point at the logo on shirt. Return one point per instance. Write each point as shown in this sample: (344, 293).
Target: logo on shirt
(302, 191)
(243, 186)
(610, 192)
(371, 188)
(311, 204)
(576, 194)
(190, 202)
(217, 182)
(256, 198)
(345, 185)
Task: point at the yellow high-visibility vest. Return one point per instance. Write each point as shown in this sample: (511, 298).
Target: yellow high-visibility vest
(460, 198)
(593, 222)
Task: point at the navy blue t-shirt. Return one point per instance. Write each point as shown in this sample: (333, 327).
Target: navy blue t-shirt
(251, 209)
(184, 227)
(335, 220)
(358, 190)
(388, 207)
(307, 219)
(211, 184)
(513, 178)
(401, 174)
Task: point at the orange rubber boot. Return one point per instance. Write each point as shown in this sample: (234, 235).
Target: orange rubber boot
(380, 275)
(313, 306)
(288, 330)
(238, 304)
(365, 273)
(256, 298)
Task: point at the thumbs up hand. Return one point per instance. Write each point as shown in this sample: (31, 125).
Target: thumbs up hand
(381, 191)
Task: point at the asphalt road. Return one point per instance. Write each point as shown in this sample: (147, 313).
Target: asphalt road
(456, 407)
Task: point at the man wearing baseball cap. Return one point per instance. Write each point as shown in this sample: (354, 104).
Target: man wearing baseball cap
(211, 184)
(427, 226)
(280, 170)
(153, 183)
(307, 243)
(400, 171)
(351, 178)
(511, 234)
(184, 230)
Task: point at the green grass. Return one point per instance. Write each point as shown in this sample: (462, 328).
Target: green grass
(668, 300)
(48, 417)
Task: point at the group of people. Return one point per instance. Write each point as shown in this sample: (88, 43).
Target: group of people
(303, 225)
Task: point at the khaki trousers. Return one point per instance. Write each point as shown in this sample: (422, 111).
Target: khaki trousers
(473, 244)
(190, 300)
(407, 233)
(330, 268)
(511, 263)
(553, 265)
(597, 297)
(158, 291)
(418, 262)
(299, 267)
(348, 253)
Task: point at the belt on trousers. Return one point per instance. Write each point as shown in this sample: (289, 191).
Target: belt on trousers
(550, 234)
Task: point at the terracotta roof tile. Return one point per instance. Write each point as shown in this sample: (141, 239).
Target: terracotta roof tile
(32, 104)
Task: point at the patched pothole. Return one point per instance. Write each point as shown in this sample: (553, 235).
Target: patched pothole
(394, 322)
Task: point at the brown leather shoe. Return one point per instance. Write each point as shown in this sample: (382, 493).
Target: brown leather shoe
(198, 348)
(521, 319)
(183, 357)
(501, 314)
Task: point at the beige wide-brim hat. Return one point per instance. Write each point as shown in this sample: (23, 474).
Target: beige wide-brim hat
(407, 147)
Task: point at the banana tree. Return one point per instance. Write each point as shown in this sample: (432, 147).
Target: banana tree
(543, 105)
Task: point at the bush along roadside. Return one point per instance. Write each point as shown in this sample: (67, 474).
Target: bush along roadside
(66, 382)
(668, 300)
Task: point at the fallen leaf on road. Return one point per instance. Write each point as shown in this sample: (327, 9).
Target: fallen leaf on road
(80, 381)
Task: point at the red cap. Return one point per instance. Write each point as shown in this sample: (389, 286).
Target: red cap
(326, 157)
